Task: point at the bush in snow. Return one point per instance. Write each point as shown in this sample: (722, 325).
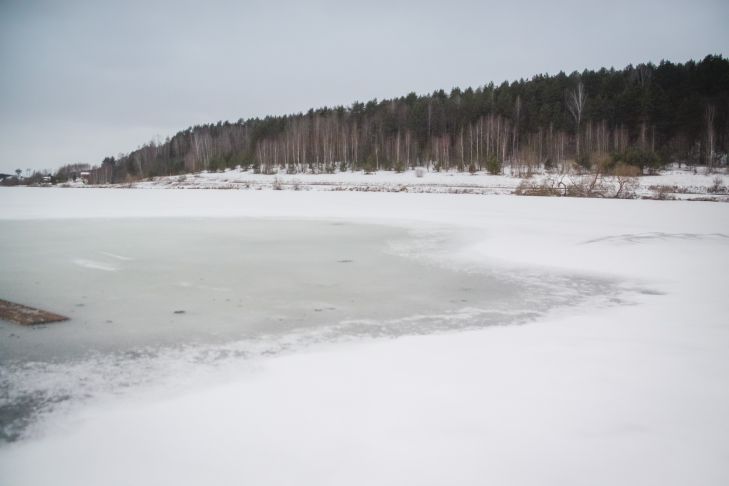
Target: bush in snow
(493, 165)
(717, 186)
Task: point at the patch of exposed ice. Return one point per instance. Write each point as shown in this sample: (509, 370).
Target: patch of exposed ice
(95, 265)
(118, 257)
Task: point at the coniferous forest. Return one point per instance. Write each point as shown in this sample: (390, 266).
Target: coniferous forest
(646, 115)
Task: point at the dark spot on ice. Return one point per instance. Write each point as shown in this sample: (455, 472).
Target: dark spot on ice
(651, 292)
(318, 310)
(179, 312)
(109, 321)
(344, 261)
(616, 300)
(80, 305)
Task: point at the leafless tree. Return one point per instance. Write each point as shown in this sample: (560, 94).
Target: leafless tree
(710, 133)
(576, 104)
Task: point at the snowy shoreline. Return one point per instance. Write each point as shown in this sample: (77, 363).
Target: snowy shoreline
(674, 183)
(632, 393)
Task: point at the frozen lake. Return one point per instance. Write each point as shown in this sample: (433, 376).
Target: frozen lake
(146, 296)
(370, 332)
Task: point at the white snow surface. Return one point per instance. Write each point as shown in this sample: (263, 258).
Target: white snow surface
(635, 393)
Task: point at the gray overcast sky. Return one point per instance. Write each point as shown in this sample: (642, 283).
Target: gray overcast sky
(80, 80)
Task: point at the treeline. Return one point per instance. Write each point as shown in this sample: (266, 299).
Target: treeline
(645, 115)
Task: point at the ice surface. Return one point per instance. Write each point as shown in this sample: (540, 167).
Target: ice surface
(198, 290)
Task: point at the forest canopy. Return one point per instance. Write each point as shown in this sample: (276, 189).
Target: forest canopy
(645, 115)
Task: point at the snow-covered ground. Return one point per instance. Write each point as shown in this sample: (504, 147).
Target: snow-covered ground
(673, 183)
(633, 391)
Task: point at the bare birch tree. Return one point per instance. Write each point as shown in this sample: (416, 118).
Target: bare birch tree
(576, 104)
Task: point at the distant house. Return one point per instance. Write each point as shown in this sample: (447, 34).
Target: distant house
(5, 176)
(84, 176)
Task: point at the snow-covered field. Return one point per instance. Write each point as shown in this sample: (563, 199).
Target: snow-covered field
(672, 183)
(631, 388)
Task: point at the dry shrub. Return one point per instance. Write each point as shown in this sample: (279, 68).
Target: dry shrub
(547, 187)
(627, 180)
(592, 185)
(717, 186)
(662, 192)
